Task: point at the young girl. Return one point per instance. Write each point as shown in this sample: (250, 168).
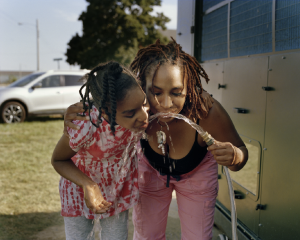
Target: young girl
(98, 163)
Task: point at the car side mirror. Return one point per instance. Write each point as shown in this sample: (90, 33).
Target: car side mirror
(37, 85)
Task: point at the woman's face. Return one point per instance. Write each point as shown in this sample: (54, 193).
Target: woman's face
(132, 112)
(168, 92)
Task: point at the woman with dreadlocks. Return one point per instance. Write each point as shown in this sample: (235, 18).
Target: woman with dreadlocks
(98, 162)
(182, 162)
(175, 157)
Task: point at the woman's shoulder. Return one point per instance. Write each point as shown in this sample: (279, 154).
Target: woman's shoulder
(215, 112)
(216, 116)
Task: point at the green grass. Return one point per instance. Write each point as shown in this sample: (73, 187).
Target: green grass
(29, 198)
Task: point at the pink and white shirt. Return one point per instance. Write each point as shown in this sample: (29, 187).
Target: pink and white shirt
(108, 160)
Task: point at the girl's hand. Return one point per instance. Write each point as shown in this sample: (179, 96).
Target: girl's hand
(208, 100)
(94, 199)
(224, 153)
(72, 114)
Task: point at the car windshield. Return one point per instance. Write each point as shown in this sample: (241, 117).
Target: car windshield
(25, 80)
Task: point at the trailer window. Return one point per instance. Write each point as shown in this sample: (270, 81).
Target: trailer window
(246, 27)
(214, 35)
(287, 34)
(250, 27)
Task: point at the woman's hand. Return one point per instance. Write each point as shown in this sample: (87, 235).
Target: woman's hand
(226, 154)
(230, 149)
(72, 114)
(208, 100)
(94, 199)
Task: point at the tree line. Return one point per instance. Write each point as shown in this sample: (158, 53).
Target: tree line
(115, 30)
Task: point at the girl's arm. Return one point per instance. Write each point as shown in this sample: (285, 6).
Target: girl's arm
(228, 149)
(62, 163)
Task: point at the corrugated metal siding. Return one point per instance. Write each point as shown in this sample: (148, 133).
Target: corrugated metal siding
(214, 35)
(287, 25)
(250, 27)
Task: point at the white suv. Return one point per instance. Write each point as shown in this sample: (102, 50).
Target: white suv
(40, 93)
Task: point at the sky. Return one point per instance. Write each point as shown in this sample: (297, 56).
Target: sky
(57, 21)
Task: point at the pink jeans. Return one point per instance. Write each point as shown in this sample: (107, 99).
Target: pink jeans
(196, 194)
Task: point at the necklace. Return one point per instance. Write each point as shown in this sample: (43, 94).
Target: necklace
(161, 138)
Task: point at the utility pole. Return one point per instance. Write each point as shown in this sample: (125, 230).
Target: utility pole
(37, 42)
(57, 59)
(37, 45)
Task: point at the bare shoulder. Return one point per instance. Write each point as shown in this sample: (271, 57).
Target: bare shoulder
(216, 114)
(219, 125)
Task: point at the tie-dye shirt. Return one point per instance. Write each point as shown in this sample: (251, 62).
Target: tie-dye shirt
(108, 160)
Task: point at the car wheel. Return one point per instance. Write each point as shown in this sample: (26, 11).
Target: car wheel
(13, 112)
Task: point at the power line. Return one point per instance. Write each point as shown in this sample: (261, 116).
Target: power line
(9, 17)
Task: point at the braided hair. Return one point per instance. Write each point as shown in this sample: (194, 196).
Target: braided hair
(108, 83)
(149, 59)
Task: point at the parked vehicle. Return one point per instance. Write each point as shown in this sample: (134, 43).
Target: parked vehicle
(40, 93)
(251, 53)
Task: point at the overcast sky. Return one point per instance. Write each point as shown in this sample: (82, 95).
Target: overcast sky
(57, 21)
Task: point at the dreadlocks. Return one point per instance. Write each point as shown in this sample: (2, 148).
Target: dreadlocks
(150, 58)
(108, 84)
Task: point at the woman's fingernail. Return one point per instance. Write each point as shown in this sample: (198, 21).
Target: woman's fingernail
(77, 128)
(87, 118)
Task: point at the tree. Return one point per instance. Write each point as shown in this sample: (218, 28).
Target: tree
(115, 30)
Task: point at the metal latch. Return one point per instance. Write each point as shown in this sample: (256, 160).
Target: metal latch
(221, 86)
(260, 206)
(267, 88)
(238, 195)
(240, 110)
(192, 29)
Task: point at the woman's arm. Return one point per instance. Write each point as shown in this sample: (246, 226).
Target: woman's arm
(62, 163)
(72, 114)
(229, 149)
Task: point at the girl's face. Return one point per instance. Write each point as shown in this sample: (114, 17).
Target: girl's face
(169, 88)
(132, 112)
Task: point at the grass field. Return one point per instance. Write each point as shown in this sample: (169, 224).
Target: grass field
(29, 198)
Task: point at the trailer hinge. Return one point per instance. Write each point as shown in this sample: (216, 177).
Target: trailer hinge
(192, 29)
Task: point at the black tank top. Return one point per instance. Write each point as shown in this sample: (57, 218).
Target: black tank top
(174, 167)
